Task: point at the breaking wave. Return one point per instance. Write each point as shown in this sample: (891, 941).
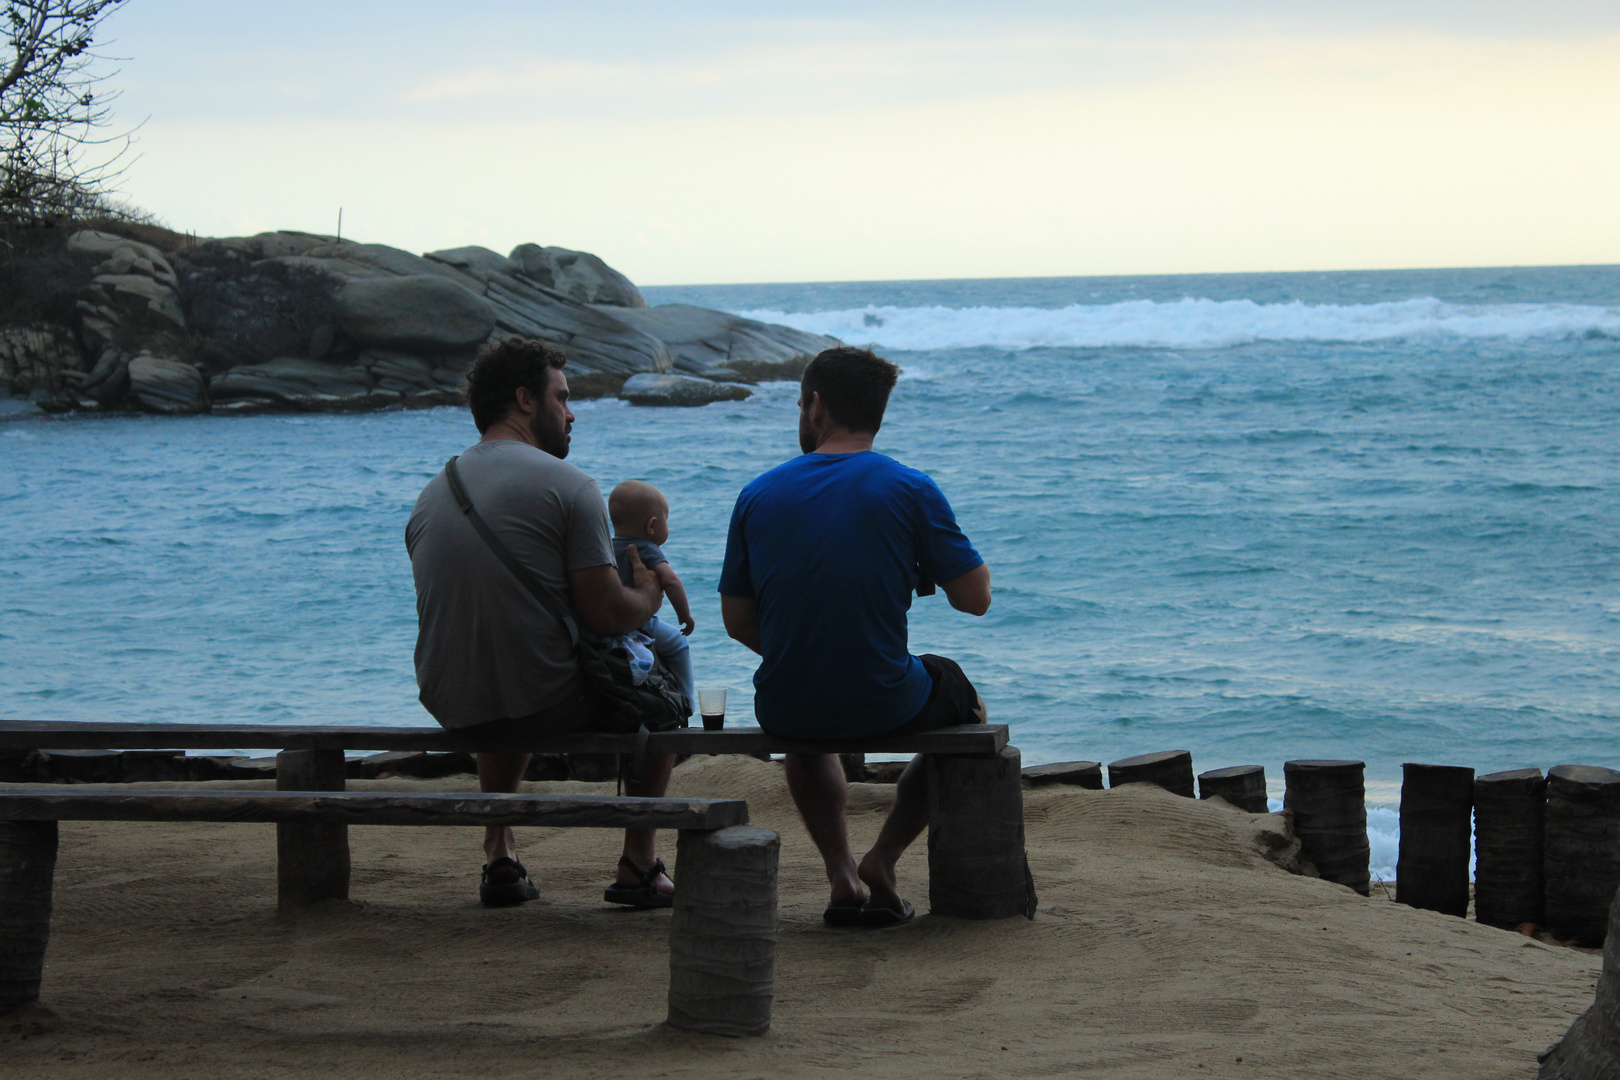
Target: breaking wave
(1196, 324)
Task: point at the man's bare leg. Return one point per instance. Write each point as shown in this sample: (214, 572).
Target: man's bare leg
(500, 773)
(905, 823)
(640, 845)
(819, 790)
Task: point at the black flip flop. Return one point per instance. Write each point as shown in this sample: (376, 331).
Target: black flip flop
(876, 918)
(644, 895)
(843, 913)
(506, 893)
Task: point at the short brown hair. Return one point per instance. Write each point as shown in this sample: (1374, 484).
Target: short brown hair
(853, 383)
(503, 366)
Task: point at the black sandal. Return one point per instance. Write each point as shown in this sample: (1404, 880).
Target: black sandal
(506, 893)
(644, 895)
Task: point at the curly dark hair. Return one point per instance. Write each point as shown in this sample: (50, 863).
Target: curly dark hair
(853, 383)
(503, 366)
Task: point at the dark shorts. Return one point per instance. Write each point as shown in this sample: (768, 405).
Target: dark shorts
(580, 711)
(951, 701)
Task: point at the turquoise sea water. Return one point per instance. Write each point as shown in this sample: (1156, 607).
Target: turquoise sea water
(1366, 515)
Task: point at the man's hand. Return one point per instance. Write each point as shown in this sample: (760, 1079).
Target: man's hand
(688, 625)
(605, 606)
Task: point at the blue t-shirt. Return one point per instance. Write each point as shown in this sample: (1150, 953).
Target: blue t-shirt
(828, 546)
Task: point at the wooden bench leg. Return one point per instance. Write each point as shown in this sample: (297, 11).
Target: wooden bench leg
(722, 934)
(977, 868)
(27, 866)
(312, 860)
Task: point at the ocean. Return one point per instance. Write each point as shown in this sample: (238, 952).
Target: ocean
(1364, 515)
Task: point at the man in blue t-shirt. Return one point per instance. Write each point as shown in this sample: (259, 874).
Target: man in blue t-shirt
(821, 559)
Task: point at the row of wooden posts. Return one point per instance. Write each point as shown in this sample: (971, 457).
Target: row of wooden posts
(1547, 848)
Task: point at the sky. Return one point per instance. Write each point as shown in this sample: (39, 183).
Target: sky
(727, 141)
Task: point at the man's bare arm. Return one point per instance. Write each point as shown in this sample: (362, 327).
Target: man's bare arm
(741, 616)
(675, 592)
(971, 591)
(605, 606)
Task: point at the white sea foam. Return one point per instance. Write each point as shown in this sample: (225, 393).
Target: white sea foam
(1195, 323)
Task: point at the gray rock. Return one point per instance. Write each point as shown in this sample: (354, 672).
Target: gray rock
(419, 313)
(594, 338)
(715, 344)
(680, 390)
(577, 274)
(134, 290)
(107, 383)
(162, 385)
(476, 262)
(37, 358)
(304, 385)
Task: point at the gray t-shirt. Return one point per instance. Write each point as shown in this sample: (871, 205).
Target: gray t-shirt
(485, 648)
(651, 555)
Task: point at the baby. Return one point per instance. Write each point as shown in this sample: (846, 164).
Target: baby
(640, 516)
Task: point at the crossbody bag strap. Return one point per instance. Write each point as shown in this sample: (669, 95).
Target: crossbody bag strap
(528, 580)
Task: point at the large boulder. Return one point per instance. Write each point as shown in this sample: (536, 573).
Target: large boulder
(134, 290)
(577, 274)
(719, 345)
(595, 338)
(289, 383)
(162, 385)
(479, 263)
(419, 313)
(679, 390)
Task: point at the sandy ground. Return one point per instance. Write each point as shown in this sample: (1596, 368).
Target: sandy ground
(1165, 946)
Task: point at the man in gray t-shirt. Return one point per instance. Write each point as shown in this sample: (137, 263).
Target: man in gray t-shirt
(489, 657)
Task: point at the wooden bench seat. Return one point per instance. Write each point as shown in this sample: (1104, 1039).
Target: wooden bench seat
(971, 739)
(976, 863)
(722, 930)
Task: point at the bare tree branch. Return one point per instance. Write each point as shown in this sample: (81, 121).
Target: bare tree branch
(50, 110)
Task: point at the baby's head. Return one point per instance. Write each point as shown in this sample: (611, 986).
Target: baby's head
(639, 511)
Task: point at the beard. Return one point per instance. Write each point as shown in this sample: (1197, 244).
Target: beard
(807, 437)
(550, 434)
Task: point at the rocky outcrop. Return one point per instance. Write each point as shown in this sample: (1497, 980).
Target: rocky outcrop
(578, 275)
(684, 390)
(163, 385)
(135, 293)
(298, 321)
(38, 362)
(377, 381)
(716, 345)
(419, 313)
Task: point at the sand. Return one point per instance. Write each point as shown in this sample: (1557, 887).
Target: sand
(1166, 945)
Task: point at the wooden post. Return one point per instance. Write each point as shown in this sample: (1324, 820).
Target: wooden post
(977, 868)
(1510, 810)
(27, 866)
(1590, 1049)
(1581, 859)
(1083, 774)
(312, 860)
(1437, 803)
(722, 932)
(1170, 769)
(1329, 801)
(1244, 786)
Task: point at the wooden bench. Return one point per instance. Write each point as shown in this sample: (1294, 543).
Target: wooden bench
(722, 937)
(976, 862)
